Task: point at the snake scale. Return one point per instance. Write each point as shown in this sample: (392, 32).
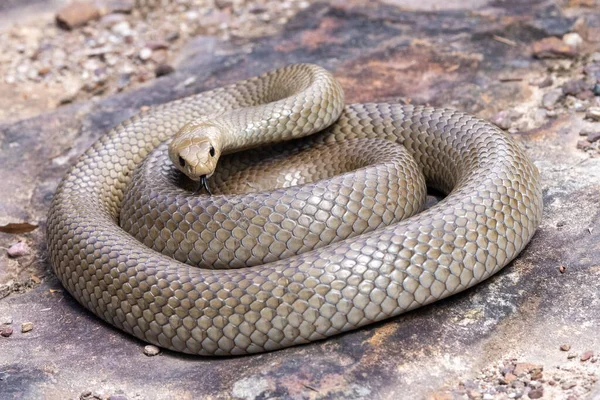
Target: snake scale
(301, 282)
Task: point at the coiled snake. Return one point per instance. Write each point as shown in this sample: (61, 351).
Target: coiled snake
(319, 259)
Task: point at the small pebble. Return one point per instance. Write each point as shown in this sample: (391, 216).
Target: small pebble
(587, 355)
(26, 327)
(122, 29)
(593, 113)
(550, 99)
(18, 250)
(189, 81)
(123, 80)
(583, 144)
(192, 15)
(536, 393)
(44, 70)
(593, 137)
(523, 368)
(32, 74)
(518, 384)
(221, 4)
(574, 87)
(163, 69)
(565, 347)
(68, 97)
(121, 6)
(592, 70)
(159, 57)
(508, 378)
(573, 40)
(172, 36)
(88, 395)
(151, 350)
(145, 54)
(6, 331)
(596, 89)
(257, 9)
(535, 384)
(574, 104)
(562, 270)
(76, 14)
(537, 375)
(570, 356)
(504, 119)
(547, 82)
(157, 45)
(568, 385)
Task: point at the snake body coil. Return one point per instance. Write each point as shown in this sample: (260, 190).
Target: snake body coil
(493, 207)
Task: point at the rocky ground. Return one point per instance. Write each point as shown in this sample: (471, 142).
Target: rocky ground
(88, 50)
(533, 68)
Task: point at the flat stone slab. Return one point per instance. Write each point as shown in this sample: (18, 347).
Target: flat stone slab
(380, 52)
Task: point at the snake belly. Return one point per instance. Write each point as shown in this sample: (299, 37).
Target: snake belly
(492, 209)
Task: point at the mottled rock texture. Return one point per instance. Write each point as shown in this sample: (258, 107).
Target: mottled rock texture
(388, 51)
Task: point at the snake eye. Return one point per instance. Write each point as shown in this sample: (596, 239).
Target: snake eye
(181, 161)
(211, 151)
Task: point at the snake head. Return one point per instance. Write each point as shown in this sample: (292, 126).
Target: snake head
(195, 150)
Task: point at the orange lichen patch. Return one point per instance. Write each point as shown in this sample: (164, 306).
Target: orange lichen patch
(323, 34)
(486, 98)
(382, 333)
(552, 47)
(413, 70)
(581, 3)
(380, 342)
(315, 38)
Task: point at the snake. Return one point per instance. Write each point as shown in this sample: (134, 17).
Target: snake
(275, 258)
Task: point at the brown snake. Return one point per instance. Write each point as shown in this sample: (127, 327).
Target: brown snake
(303, 282)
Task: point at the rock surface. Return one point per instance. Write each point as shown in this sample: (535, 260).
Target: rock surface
(468, 345)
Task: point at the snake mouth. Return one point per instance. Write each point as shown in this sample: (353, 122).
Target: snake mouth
(203, 184)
